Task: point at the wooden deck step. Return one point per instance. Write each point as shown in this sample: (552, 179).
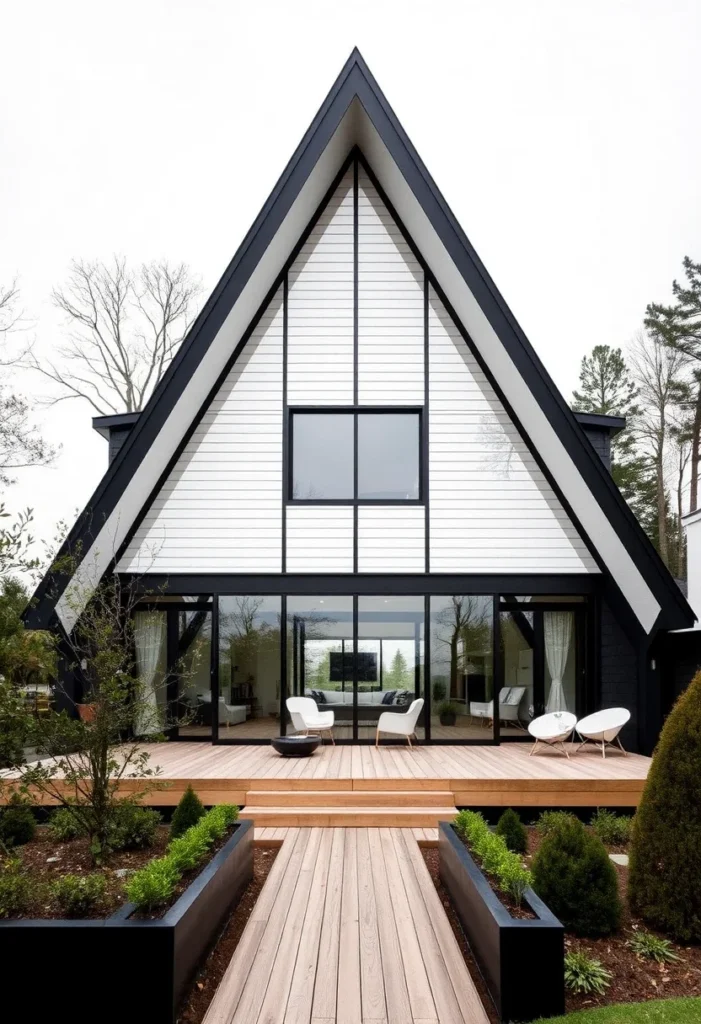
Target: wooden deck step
(273, 838)
(350, 798)
(347, 817)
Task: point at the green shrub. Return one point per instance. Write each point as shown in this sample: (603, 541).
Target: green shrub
(17, 891)
(154, 884)
(550, 821)
(665, 851)
(585, 974)
(17, 824)
(187, 813)
(64, 826)
(512, 831)
(133, 827)
(573, 875)
(77, 895)
(612, 829)
(493, 855)
(653, 948)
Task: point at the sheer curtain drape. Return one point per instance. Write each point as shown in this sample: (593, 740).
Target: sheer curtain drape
(557, 631)
(149, 639)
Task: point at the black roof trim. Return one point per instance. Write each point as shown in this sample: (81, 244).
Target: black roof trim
(613, 424)
(118, 420)
(354, 80)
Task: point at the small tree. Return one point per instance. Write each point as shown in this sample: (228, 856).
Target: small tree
(398, 676)
(512, 830)
(87, 760)
(665, 856)
(188, 812)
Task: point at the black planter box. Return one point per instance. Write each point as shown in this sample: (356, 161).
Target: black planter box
(118, 969)
(521, 960)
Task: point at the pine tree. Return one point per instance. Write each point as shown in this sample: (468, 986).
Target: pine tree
(679, 326)
(398, 676)
(606, 387)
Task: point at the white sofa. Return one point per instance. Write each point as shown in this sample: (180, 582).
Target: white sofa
(370, 705)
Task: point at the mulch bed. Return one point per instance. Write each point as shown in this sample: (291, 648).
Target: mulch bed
(74, 859)
(635, 979)
(205, 985)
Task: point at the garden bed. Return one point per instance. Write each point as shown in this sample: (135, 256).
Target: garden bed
(151, 961)
(633, 977)
(521, 959)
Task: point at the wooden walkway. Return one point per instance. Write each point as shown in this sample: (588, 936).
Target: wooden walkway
(348, 929)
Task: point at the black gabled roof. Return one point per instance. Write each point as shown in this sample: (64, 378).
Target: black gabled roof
(356, 80)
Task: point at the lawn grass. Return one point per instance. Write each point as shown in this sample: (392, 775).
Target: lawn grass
(662, 1011)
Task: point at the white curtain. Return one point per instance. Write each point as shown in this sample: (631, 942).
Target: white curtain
(557, 631)
(149, 637)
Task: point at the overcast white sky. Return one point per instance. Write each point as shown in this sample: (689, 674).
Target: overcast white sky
(565, 136)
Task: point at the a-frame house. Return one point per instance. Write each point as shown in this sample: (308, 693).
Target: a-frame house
(356, 480)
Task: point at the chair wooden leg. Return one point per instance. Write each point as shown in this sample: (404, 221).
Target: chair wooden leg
(532, 750)
(618, 741)
(603, 749)
(408, 739)
(333, 741)
(377, 738)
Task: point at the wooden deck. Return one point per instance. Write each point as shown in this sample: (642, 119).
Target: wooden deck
(348, 929)
(395, 786)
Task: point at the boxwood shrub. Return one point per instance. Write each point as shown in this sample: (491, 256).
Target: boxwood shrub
(493, 854)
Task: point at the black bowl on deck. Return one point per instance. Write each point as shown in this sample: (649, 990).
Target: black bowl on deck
(296, 746)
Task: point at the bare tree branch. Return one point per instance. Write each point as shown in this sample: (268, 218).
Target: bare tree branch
(123, 328)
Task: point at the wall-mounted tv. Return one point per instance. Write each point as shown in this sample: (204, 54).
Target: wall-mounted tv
(341, 667)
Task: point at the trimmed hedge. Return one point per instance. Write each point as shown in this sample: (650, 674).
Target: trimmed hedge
(188, 812)
(155, 883)
(573, 875)
(493, 854)
(664, 882)
(512, 831)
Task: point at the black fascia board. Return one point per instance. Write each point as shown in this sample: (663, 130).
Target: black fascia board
(120, 420)
(612, 424)
(354, 80)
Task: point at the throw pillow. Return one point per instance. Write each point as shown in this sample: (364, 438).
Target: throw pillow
(401, 697)
(388, 697)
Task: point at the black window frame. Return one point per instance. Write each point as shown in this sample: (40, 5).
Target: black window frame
(355, 411)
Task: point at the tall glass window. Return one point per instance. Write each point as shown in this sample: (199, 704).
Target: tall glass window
(462, 667)
(391, 633)
(191, 672)
(320, 656)
(249, 667)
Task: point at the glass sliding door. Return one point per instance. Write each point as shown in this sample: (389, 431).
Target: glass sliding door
(249, 667)
(320, 657)
(520, 694)
(390, 660)
(462, 667)
(190, 643)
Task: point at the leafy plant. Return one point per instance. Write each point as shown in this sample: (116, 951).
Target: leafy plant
(550, 821)
(133, 827)
(651, 947)
(438, 691)
(154, 884)
(16, 889)
(573, 875)
(188, 812)
(17, 824)
(585, 974)
(612, 829)
(493, 854)
(512, 831)
(448, 707)
(77, 895)
(665, 851)
(64, 825)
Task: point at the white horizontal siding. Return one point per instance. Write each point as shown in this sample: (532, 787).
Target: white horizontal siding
(390, 308)
(320, 308)
(391, 538)
(491, 508)
(319, 538)
(220, 510)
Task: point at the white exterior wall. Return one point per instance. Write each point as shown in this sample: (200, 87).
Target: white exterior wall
(391, 538)
(320, 538)
(220, 509)
(390, 307)
(491, 508)
(320, 308)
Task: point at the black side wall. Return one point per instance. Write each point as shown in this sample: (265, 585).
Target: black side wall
(619, 674)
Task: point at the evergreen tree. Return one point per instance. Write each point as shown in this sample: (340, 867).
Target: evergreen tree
(398, 676)
(606, 387)
(679, 327)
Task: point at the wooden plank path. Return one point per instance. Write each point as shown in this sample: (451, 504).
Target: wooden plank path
(348, 929)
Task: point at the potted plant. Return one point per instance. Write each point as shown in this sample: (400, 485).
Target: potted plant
(447, 712)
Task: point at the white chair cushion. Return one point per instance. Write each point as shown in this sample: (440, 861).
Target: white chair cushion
(558, 724)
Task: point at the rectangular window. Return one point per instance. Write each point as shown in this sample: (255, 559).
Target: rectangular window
(355, 456)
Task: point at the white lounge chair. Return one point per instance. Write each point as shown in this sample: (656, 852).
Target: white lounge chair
(307, 718)
(510, 698)
(553, 729)
(603, 727)
(400, 724)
